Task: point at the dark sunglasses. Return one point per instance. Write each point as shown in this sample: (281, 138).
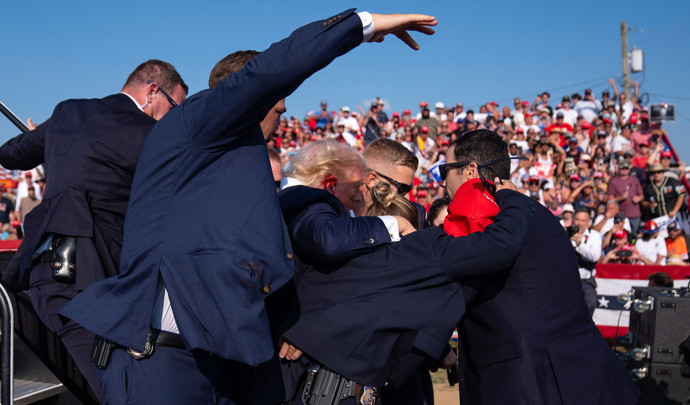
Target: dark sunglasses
(443, 170)
(170, 100)
(402, 187)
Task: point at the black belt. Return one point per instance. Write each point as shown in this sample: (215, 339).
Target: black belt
(169, 339)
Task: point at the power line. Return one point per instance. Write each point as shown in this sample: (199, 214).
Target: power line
(668, 96)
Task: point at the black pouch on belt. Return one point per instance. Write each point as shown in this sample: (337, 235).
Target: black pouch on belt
(64, 264)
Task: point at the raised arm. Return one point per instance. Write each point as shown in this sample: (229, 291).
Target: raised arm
(276, 72)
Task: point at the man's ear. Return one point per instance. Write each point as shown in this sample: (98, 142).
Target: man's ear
(473, 171)
(329, 183)
(371, 179)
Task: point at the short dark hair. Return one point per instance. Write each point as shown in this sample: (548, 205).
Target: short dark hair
(483, 146)
(163, 73)
(229, 65)
(436, 208)
(583, 210)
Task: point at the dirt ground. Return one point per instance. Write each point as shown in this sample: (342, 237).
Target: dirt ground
(444, 394)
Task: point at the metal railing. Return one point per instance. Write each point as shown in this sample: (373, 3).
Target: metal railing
(6, 349)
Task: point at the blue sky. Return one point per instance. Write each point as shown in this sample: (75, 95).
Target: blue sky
(482, 51)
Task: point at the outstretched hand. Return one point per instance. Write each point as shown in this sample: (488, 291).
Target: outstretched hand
(400, 24)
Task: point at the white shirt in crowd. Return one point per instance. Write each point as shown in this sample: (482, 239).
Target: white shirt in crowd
(590, 250)
(651, 248)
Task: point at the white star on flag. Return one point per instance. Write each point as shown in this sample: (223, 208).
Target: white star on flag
(603, 302)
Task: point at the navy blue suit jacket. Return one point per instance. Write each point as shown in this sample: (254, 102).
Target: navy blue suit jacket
(362, 317)
(204, 215)
(527, 336)
(90, 149)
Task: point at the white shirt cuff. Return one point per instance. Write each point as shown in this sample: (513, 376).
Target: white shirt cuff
(392, 225)
(367, 27)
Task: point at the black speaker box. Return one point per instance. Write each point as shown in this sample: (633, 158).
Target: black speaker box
(664, 325)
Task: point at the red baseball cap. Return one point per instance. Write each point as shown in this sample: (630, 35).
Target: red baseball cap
(528, 115)
(396, 114)
(425, 130)
(534, 177)
(575, 176)
(620, 234)
(520, 131)
(666, 154)
(407, 111)
(525, 103)
(423, 104)
(421, 193)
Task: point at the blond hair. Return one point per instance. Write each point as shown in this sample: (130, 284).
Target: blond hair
(319, 159)
(385, 201)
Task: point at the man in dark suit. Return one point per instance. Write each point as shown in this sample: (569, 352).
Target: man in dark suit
(527, 336)
(202, 279)
(359, 312)
(90, 149)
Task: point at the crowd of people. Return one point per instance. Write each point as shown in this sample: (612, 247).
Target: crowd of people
(600, 156)
(261, 299)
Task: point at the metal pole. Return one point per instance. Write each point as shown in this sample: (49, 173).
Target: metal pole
(624, 55)
(7, 347)
(13, 118)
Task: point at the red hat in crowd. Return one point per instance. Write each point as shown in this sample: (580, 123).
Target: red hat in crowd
(598, 175)
(607, 121)
(423, 104)
(495, 104)
(445, 141)
(396, 114)
(633, 118)
(575, 176)
(407, 111)
(620, 234)
(534, 177)
(520, 131)
(528, 115)
(27, 174)
(586, 125)
(650, 227)
(666, 154)
(525, 103)
(644, 143)
(425, 130)
(421, 193)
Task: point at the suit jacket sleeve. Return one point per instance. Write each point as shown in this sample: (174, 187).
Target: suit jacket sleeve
(321, 236)
(26, 151)
(242, 100)
(494, 249)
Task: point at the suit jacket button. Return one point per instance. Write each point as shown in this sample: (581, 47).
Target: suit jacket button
(289, 256)
(266, 289)
(369, 241)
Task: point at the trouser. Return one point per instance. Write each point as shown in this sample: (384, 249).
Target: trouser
(590, 289)
(634, 224)
(48, 297)
(175, 376)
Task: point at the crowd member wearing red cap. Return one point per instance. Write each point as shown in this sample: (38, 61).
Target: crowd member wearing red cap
(534, 190)
(539, 301)
(666, 160)
(651, 246)
(643, 134)
(620, 251)
(23, 189)
(424, 146)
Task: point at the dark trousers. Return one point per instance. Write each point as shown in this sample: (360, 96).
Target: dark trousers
(48, 297)
(590, 289)
(176, 376)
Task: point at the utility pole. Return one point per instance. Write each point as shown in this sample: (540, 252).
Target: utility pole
(624, 55)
